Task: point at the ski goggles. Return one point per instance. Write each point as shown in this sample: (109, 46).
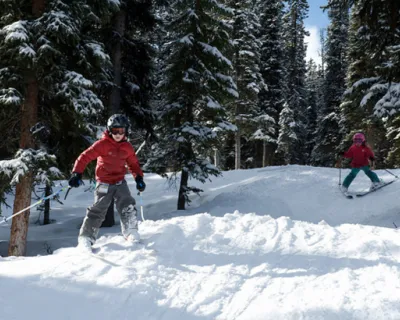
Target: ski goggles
(358, 140)
(120, 131)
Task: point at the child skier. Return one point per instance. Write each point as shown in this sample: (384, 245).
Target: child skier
(360, 154)
(112, 152)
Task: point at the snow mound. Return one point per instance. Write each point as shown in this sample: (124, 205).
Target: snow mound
(239, 266)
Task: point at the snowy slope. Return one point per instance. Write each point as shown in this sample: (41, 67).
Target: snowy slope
(273, 243)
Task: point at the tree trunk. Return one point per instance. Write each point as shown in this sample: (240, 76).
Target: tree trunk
(182, 190)
(23, 190)
(115, 98)
(47, 192)
(19, 226)
(237, 145)
(217, 157)
(264, 159)
(116, 56)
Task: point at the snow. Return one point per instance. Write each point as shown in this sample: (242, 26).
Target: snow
(77, 79)
(115, 3)
(16, 32)
(232, 92)
(362, 83)
(59, 22)
(390, 102)
(198, 130)
(27, 51)
(212, 104)
(83, 100)
(215, 52)
(221, 6)
(22, 162)
(187, 39)
(97, 50)
(365, 99)
(246, 53)
(270, 243)
(10, 97)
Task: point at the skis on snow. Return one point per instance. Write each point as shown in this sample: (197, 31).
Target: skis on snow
(350, 195)
(373, 190)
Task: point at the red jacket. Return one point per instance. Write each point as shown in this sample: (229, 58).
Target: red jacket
(360, 155)
(111, 159)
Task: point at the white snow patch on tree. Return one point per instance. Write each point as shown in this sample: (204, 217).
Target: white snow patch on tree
(215, 52)
(16, 32)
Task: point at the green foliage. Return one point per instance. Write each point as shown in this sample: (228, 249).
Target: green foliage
(197, 84)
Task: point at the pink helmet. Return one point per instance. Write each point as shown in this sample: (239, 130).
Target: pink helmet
(359, 137)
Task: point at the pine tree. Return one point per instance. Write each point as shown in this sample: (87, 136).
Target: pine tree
(325, 150)
(132, 61)
(196, 87)
(312, 87)
(246, 63)
(47, 66)
(287, 139)
(295, 52)
(271, 97)
(371, 79)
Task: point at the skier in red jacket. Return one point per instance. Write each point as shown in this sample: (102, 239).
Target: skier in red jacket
(361, 155)
(112, 152)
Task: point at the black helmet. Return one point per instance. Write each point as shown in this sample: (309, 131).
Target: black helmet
(118, 121)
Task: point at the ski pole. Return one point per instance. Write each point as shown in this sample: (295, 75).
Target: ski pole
(35, 204)
(340, 173)
(140, 147)
(139, 193)
(391, 173)
(141, 205)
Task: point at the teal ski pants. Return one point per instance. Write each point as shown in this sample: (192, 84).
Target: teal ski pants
(353, 173)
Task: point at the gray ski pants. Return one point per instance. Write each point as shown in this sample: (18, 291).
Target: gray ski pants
(96, 213)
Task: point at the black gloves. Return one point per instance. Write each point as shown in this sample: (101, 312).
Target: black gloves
(76, 180)
(140, 185)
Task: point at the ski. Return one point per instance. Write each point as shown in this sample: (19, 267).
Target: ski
(346, 194)
(373, 190)
(131, 246)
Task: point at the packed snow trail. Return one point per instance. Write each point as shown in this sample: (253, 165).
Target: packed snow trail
(297, 250)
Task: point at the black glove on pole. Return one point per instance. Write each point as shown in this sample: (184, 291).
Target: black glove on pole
(76, 180)
(140, 185)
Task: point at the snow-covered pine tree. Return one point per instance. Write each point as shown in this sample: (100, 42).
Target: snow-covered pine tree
(325, 150)
(197, 86)
(126, 39)
(313, 80)
(372, 34)
(287, 139)
(393, 125)
(322, 41)
(295, 52)
(47, 65)
(246, 65)
(388, 106)
(272, 64)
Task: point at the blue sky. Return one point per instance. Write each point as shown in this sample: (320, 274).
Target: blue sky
(316, 20)
(316, 17)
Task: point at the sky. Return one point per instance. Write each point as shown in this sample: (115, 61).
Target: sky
(262, 244)
(316, 20)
